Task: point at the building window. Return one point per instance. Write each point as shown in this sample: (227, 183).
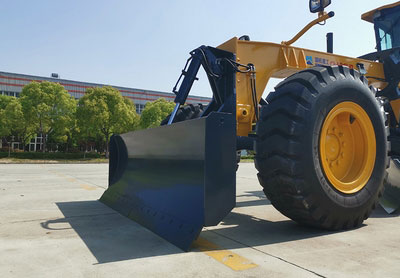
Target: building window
(139, 108)
(8, 93)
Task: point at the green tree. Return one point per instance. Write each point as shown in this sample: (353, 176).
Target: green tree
(72, 133)
(19, 127)
(103, 111)
(86, 117)
(63, 133)
(5, 128)
(12, 122)
(130, 106)
(49, 107)
(154, 112)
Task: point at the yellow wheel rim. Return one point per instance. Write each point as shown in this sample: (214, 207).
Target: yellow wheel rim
(347, 147)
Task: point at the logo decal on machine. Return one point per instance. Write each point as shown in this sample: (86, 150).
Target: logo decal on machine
(325, 62)
(309, 60)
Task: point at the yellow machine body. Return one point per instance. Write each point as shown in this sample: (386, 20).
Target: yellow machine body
(273, 60)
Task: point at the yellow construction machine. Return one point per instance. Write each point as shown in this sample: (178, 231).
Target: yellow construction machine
(321, 139)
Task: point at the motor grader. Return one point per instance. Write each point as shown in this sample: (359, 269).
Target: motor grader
(321, 139)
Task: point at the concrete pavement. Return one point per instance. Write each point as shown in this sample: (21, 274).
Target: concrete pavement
(51, 225)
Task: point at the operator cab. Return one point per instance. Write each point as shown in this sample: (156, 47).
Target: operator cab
(386, 21)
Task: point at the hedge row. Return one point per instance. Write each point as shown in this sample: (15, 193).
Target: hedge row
(57, 155)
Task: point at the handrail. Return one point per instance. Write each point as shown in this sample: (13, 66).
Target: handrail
(321, 18)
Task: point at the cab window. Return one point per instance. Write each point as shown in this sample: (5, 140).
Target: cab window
(386, 39)
(387, 28)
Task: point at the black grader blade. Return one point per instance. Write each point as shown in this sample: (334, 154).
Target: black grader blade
(175, 179)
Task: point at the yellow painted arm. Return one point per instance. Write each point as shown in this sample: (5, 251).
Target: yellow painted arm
(281, 61)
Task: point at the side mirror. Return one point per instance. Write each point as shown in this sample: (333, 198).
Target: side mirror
(319, 5)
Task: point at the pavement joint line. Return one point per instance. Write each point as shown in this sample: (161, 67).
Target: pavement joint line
(86, 181)
(268, 254)
(56, 218)
(58, 173)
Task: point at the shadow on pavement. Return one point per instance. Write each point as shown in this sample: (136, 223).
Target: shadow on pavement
(258, 193)
(252, 203)
(109, 236)
(379, 212)
(261, 201)
(252, 231)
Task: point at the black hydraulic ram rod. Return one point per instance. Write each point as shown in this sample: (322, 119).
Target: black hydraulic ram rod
(189, 78)
(220, 69)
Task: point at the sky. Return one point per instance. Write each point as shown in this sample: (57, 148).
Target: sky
(145, 44)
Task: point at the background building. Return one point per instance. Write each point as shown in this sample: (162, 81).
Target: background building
(11, 85)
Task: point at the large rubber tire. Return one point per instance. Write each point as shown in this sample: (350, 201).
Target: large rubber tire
(394, 139)
(288, 154)
(186, 112)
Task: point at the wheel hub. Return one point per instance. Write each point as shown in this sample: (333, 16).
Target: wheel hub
(347, 147)
(332, 147)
